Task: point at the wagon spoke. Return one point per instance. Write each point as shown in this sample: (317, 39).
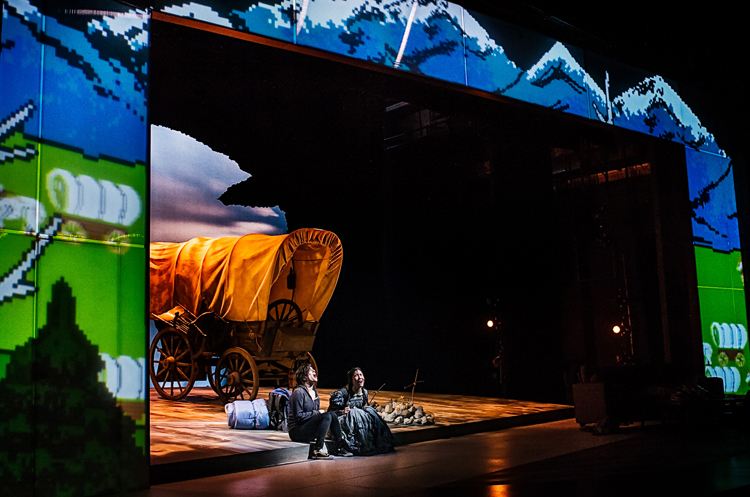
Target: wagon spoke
(284, 310)
(172, 367)
(281, 311)
(236, 365)
(287, 312)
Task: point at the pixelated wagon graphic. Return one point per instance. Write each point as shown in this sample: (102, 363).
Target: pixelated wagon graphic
(238, 310)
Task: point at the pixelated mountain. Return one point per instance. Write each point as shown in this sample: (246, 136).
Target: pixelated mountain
(358, 29)
(377, 32)
(488, 66)
(653, 107)
(101, 108)
(435, 44)
(559, 82)
(424, 37)
(556, 81)
(272, 18)
(712, 198)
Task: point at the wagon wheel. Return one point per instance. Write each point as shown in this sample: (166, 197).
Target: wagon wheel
(173, 366)
(299, 361)
(236, 376)
(211, 376)
(284, 310)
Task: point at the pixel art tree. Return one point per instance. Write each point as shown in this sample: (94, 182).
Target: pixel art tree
(63, 432)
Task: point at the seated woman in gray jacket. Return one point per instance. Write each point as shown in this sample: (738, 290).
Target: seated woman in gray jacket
(308, 422)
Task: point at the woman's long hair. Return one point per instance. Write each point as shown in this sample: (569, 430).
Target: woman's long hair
(350, 379)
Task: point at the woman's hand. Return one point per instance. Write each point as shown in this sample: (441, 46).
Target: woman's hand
(346, 410)
(322, 411)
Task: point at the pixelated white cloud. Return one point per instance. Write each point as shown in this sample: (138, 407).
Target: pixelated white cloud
(197, 11)
(123, 25)
(187, 179)
(24, 7)
(327, 13)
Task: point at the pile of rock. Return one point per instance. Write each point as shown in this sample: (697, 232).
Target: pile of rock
(403, 412)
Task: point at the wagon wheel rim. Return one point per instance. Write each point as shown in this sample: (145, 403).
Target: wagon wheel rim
(172, 367)
(211, 375)
(301, 359)
(236, 376)
(284, 310)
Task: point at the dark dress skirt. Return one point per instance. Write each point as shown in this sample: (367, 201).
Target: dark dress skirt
(362, 428)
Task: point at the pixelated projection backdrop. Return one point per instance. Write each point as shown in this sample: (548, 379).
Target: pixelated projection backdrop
(442, 40)
(73, 148)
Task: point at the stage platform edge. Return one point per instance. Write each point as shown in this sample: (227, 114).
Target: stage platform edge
(169, 472)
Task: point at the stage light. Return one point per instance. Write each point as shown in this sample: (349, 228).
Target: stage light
(490, 323)
(616, 329)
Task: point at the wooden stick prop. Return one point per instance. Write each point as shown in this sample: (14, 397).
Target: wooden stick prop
(413, 386)
(375, 394)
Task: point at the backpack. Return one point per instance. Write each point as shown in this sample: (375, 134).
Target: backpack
(278, 409)
(247, 415)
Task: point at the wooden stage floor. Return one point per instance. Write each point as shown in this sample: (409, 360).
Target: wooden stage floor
(186, 433)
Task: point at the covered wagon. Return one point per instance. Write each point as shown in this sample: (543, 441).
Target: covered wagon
(238, 310)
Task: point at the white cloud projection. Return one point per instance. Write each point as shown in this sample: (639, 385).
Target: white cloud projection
(187, 179)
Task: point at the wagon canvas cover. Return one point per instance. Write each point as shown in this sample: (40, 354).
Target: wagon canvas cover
(237, 277)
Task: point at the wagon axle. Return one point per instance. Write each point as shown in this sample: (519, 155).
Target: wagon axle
(234, 379)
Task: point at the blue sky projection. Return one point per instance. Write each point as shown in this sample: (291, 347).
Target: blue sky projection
(442, 40)
(185, 203)
(87, 79)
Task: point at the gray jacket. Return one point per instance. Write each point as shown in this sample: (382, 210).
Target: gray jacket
(302, 407)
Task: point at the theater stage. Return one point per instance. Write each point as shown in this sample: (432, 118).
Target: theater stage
(190, 438)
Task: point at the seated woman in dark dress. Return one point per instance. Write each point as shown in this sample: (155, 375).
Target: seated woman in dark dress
(307, 421)
(362, 429)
